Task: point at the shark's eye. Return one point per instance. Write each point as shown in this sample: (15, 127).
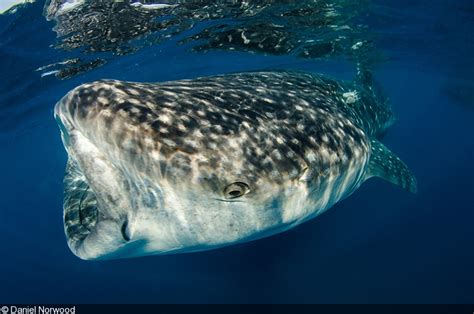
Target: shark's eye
(235, 190)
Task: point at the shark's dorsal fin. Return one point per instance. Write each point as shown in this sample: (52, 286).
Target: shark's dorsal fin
(386, 165)
(370, 108)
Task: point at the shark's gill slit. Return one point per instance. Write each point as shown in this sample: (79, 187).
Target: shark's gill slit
(80, 205)
(82, 215)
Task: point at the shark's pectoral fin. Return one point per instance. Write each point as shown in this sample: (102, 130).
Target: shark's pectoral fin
(384, 164)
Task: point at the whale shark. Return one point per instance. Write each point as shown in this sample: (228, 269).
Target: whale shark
(198, 164)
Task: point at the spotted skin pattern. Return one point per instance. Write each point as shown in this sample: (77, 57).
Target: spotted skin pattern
(299, 141)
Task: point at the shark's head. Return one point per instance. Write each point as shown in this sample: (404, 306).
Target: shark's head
(163, 168)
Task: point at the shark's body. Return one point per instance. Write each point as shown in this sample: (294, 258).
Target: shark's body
(197, 164)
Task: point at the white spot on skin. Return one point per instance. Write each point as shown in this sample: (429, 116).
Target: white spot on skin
(123, 113)
(258, 151)
(311, 156)
(181, 127)
(165, 118)
(277, 155)
(168, 142)
(134, 92)
(135, 101)
(212, 145)
(191, 143)
(350, 97)
(205, 123)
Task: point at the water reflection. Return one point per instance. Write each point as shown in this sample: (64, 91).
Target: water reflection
(102, 30)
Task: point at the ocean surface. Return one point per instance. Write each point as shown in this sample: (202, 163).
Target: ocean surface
(381, 245)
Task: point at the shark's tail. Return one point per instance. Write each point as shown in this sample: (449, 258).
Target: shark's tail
(374, 110)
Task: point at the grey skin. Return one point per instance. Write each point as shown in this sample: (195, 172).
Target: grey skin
(191, 165)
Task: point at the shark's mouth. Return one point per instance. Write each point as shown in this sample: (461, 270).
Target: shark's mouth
(95, 205)
(80, 206)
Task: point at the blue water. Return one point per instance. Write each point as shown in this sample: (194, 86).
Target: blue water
(381, 245)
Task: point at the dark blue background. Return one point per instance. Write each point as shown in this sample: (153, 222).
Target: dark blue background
(381, 245)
